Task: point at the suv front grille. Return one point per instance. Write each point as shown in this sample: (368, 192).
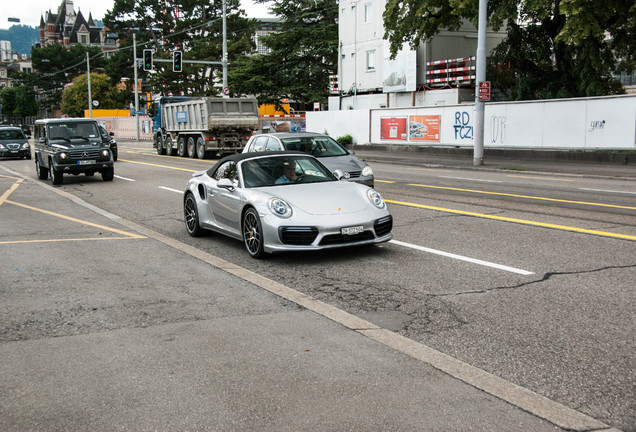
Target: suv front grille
(76, 155)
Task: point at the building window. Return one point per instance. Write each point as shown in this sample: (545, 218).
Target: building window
(368, 12)
(83, 38)
(371, 60)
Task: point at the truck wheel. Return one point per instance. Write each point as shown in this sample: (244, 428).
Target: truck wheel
(108, 174)
(169, 150)
(56, 176)
(200, 148)
(192, 149)
(181, 147)
(42, 172)
(159, 144)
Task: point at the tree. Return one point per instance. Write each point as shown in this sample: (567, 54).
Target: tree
(191, 26)
(303, 55)
(554, 48)
(75, 97)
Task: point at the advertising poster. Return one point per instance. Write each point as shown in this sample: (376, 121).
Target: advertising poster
(424, 128)
(393, 128)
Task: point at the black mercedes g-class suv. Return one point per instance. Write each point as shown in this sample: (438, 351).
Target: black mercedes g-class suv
(71, 146)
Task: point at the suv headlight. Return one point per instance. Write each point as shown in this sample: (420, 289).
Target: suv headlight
(367, 171)
(62, 155)
(375, 198)
(105, 153)
(280, 208)
(25, 146)
(2, 146)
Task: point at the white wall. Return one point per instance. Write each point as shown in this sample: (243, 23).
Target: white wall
(585, 123)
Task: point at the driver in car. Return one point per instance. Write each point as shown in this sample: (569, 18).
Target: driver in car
(289, 173)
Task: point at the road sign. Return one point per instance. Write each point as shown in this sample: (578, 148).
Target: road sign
(226, 91)
(484, 90)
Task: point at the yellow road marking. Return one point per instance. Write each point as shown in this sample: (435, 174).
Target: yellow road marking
(539, 178)
(384, 181)
(9, 191)
(72, 219)
(159, 166)
(67, 240)
(524, 196)
(520, 221)
(165, 156)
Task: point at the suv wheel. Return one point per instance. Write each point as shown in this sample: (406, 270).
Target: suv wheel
(108, 174)
(56, 176)
(42, 172)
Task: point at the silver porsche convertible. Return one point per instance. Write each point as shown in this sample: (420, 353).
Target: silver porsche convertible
(282, 201)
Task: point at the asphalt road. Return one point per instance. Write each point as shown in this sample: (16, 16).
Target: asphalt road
(528, 276)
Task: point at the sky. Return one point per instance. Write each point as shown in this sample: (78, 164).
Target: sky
(29, 11)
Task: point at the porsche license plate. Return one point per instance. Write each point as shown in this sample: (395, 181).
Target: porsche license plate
(86, 162)
(352, 230)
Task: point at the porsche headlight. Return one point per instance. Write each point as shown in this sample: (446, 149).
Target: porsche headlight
(280, 208)
(367, 171)
(375, 198)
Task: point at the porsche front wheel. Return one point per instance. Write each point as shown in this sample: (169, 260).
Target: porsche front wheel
(191, 216)
(253, 234)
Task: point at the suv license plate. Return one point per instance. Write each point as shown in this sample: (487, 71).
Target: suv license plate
(352, 230)
(86, 162)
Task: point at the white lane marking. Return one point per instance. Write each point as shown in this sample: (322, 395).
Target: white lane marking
(610, 191)
(125, 178)
(170, 189)
(470, 179)
(463, 258)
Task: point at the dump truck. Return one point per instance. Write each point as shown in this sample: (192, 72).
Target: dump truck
(203, 127)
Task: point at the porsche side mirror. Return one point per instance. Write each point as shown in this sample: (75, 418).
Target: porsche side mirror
(225, 183)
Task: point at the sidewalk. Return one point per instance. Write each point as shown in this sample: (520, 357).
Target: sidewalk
(595, 164)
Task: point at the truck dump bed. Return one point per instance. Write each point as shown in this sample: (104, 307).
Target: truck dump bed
(209, 114)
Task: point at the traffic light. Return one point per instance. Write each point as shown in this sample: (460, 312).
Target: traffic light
(176, 61)
(147, 59)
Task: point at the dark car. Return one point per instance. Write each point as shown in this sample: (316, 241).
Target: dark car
(71, 146)
(26, 129)
(110, 136)
(329, 151)
(13, 143)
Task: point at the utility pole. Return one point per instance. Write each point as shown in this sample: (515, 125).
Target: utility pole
(226, 92)
(480, 106)
(136, 89)
(88, 77)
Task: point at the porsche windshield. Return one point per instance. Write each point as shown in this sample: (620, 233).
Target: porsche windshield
(282, 170)
(86, 131)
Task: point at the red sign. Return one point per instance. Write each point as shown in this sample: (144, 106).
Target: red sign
(484, 91)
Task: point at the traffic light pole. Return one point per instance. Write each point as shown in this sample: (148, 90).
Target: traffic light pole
(136, 84)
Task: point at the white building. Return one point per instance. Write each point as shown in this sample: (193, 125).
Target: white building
(367, 78)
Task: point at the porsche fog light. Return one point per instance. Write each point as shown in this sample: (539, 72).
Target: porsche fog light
(280, 208)
(375, 198)
(367, 171)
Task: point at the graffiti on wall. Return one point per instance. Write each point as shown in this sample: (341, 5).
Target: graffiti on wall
(498, 129)
(597, 125)
(462, 126)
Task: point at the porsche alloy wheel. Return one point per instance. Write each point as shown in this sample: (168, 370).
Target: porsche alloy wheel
(191, 216)
(253, 234)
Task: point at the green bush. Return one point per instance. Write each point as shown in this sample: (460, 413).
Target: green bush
(345, 140)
